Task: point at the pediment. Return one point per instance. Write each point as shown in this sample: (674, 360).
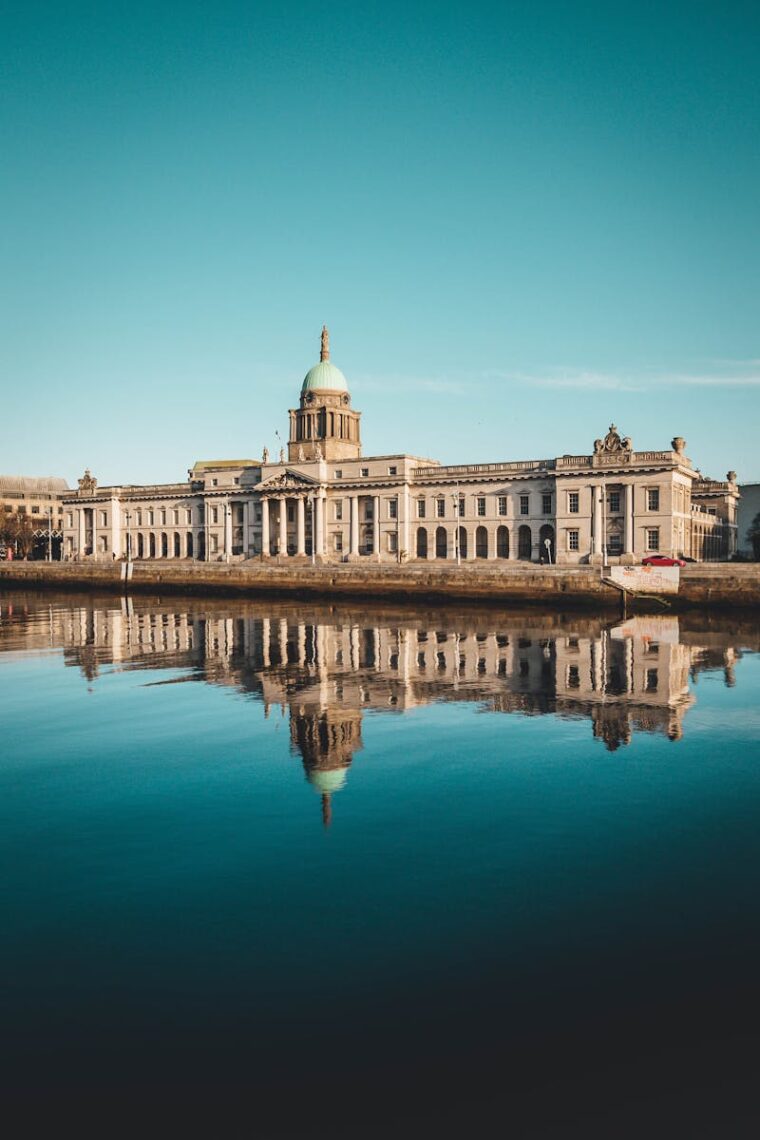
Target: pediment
(287, 480)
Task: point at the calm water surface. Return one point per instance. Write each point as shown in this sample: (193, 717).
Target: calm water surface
(323, 870)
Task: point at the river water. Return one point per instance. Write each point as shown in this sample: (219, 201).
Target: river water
(317, 870)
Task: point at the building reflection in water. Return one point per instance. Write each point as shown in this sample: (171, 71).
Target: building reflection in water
(325, 666)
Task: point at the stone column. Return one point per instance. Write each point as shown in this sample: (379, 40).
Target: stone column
(596, 499)
(265, 526)
(406, 531)
(320, 547)
(354, 501)
(300, 525)
(628, 529)
(80, 529)
(376, 526)
(283, 540)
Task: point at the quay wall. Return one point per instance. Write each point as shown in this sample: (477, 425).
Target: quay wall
(712, 585)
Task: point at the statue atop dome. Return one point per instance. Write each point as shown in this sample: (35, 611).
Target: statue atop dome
(324, 352)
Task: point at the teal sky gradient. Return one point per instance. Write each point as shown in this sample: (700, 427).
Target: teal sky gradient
(520, 221)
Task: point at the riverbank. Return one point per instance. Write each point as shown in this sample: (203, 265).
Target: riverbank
(705, 585)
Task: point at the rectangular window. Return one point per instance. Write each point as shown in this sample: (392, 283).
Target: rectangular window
(69, 520)
(214, 482)
(461, 507)
(393, 508)
(614, 502)
(392, 471)
(573, 540)
(524, 504)
(163, 518)
(150, 518)
(338, 541)
(214, 542)
(138, 518)
(573, 677)
(420, 508)
(365, 472)
(502, 504)
(103, 518)
(440, 508)
(573, 502)
(291, 512)
(651, 686)
(189, 517)
(481, 506)
(653, 539)
(393, 543)
(546, 504)
(615, 544)
(653, 498)
(36, 511)
(175, 517)
(338, 510)
(214, 514)
(338, 474)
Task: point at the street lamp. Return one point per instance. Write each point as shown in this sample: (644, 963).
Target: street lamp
(455, 500)
(127, 517)
(50, 533)
(548, 545)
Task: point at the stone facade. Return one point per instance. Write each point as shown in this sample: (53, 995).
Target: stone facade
(327, 502)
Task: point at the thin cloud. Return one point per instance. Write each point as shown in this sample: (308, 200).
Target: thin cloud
(410, 384)
(707, 381)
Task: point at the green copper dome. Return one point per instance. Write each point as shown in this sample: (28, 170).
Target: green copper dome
(324, 376)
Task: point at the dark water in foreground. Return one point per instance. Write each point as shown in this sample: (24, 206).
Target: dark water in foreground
(300, 870)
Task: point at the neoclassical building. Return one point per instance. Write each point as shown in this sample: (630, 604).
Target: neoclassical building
(324, 500)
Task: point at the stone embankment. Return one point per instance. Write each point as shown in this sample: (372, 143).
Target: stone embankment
(734, 585)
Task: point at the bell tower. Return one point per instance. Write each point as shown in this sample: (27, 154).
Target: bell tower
(324, 425)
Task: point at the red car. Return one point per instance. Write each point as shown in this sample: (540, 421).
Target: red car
(662, 560)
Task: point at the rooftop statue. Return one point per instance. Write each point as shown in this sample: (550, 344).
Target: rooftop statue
(87, 484)
(612, 442)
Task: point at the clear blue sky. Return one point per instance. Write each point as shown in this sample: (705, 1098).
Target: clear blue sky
(520, 220)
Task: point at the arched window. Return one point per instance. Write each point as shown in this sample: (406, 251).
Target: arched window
(546, 535)
(422, 542)
(177, 545)
(202, 546)
(151, 545)
(462, 542)
(189, 544)
(140, 546)
(441, 542)
(481, 542)
(524, 543)
(164, 545)
(502, 542)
